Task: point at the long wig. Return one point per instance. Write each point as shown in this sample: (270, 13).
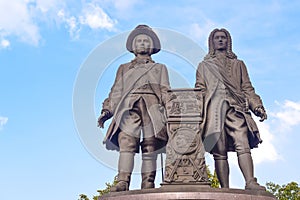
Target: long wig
(211, 49)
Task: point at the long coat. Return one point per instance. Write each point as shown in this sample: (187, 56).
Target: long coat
(131, 76)
(242, 95)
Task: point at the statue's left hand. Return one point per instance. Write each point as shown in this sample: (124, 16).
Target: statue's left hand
(260, 112)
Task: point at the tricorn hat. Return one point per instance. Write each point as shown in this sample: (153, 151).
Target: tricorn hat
(143, 29)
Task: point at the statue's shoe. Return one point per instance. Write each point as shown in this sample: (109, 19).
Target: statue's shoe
(120, 186)
(147, 185)
(253, 185)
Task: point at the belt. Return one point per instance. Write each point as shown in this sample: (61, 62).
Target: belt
(144, 89)
(142, 92)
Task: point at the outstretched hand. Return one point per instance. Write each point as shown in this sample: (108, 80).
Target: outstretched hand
(260, 112)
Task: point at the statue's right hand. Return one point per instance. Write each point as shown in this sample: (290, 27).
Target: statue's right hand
(101, 121)
(103, 117)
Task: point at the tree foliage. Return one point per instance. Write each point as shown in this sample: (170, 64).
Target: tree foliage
(290, 191)
(108, 186)
(213, 179)
(101, 192)
(83, 197)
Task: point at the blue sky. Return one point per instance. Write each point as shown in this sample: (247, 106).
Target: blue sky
(45, 46)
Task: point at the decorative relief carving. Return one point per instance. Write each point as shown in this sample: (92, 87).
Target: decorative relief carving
(185, 103)
(185, 162)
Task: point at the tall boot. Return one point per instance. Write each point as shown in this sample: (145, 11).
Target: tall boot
(148, 170)
(222, 171)
(126, 162)
(246, 165)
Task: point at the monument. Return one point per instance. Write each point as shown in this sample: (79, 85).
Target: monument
(186, 122)
(136, 103)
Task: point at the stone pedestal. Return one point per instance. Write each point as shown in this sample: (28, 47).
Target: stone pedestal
(185, 162)
(189, 192)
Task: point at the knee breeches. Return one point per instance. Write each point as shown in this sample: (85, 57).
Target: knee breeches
(235, 131)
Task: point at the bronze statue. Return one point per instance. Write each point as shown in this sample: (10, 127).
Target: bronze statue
(136, 103)
(229, 97)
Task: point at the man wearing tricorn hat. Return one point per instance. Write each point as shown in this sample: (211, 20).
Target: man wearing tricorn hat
(136, 103)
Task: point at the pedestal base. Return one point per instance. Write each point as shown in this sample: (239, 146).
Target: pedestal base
(189, 193)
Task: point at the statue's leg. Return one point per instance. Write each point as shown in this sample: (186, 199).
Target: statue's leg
(222, 171)
(149, 157)
(237, 125)
(218, 137)
(126, 161)
(221, 163)
(128, 147)
(246, 165)
(129, 140)
(149, 145)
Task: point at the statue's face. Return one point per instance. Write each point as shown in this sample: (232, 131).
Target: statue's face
(220, 40)
(142, 44)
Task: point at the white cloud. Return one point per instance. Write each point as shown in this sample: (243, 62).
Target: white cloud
(3, 121)
(71, 23)
(94, 17)
(23, 19)
(288, 115)
(4, 43)
(91, 16)
(15, 19)
(266, 151)
(46, 6)
(201, 31)
(124, 5)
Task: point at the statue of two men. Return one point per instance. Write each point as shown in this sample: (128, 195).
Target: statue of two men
(139, 94)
